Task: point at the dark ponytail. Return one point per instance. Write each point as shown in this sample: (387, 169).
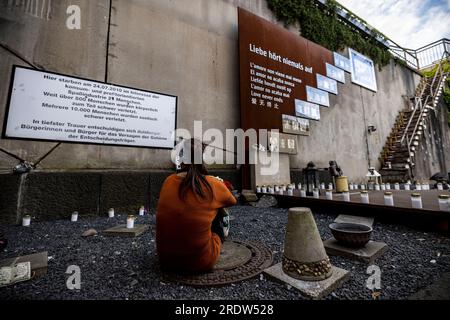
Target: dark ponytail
(195, 178)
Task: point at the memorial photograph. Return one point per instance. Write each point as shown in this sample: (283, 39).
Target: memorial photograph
(224, 158)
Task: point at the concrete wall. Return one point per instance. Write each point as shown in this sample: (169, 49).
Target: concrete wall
(179, 47)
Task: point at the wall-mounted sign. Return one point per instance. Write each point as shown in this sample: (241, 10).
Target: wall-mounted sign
(307, 110)
(317, 96)
(335, 73)
(326, 84)
(342, 62)
(363, 70)
(295, 125)
(54, 107)
(282, 143)
(272, 74)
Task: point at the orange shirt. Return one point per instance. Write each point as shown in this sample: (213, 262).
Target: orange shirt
(184, 239)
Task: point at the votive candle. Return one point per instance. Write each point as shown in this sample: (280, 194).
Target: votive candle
(397, 186)
(346, 195)
(329, 194)
(444, 202)
(111, 213)
(26, 220)
(416, 200)
(303, 193)
(141, 210)
(74, 217)
(364, 197)
(388, 199)
(130, 222)
(316, 193)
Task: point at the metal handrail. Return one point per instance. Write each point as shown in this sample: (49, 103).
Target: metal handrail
(423, 57)
(421, 102)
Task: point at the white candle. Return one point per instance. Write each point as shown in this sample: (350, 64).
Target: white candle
(299, 186)
(316, 193)
(416, 200)
(444, 202)
(329, 194)
(280, 191)
(350, 186)
(74, 217)
(141, 210)
(130, 222)
(111, 213)
(330, 186)
(388, 186)
(388, 199)
(397, 186)
(407, 186)
(440, 186)
(271, 190)
(26, 220)
(263, 189)
(322, 186)
(383, 186)
(303, 193)
(276, 188)
(346, 195)
(258, 189)
(283, 187)
(418, 187)
(363, 187)
(364, 197)
(377, 187)
(290, 192)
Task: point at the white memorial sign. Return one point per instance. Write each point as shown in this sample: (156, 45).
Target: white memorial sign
(48, 106)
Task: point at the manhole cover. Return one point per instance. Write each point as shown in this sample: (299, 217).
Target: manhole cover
(233, 254)
(229, 269)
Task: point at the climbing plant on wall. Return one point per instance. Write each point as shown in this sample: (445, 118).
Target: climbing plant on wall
(321, 25)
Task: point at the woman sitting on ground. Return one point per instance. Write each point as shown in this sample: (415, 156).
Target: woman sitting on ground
(188, 227)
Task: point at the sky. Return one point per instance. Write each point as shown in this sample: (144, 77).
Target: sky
(410, 23)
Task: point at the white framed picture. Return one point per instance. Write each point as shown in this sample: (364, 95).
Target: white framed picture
(342, 62)
(307, 110)
(326, 84)
(335, 73)
(363, 70)
(317, 96)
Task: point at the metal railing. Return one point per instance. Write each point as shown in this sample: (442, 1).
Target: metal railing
(423, 100)
(423, 57)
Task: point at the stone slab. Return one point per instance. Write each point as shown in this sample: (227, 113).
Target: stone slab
(38, 262)
(310, 289)
(372, 251)
(122, 231)
(344, 218)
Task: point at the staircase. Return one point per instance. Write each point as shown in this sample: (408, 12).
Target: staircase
(397, 157)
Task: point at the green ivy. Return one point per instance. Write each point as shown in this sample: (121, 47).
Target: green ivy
(446, 98)
(430, 73)
(323, 26)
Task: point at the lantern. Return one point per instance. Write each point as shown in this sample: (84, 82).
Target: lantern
(311, 178)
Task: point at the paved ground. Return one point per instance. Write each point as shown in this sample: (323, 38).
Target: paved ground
(122, 268)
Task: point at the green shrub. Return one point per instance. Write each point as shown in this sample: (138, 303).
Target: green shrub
(323, 26)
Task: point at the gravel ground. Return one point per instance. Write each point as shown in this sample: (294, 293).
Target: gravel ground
(126, 268)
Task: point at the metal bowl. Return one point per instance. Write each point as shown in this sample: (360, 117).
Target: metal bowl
(351, 234)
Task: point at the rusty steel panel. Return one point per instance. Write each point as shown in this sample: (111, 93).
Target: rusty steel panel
(256, 36)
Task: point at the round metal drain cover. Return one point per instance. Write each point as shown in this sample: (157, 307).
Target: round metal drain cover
(233, 255)
(230, 269)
